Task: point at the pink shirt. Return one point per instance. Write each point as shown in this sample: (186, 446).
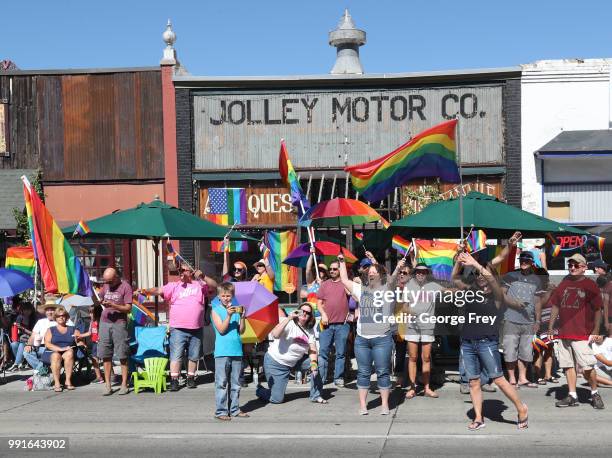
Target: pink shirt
(186, 299)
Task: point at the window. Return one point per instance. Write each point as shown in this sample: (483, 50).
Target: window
(559, 211)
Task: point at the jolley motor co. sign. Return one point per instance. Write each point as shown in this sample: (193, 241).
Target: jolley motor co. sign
(234, 131)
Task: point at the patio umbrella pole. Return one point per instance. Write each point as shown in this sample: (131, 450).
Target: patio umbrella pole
(156, 276)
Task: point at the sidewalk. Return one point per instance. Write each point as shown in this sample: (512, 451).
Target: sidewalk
(182, 424)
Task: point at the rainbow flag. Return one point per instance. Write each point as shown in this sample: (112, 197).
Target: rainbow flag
(279, 245)
(432, 153)
(438, 256)
(227, 207)
(556, 250)
(400, 244)
(139, 314)
(290, 179)
(81, 229)
(476, 241)
(600, 243)
(21, 258)
(492, 252)
(60, 269)
(359, 236)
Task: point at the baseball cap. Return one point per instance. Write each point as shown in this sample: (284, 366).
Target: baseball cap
(527, 255)
(421, 266)
(578, 258)
(365, 262)
(600, 263)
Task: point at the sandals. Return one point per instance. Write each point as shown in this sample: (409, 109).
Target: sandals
(542, 381)
(70, 387)
(552, 380)
(476, 425)
(431, 394)
(319, 400)
(527, 385)
(524, 423)
(242, 414)
(223, 417)
(410, 393)
(58, 389)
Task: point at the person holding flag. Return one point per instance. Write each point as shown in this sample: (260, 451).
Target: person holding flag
(186, 298)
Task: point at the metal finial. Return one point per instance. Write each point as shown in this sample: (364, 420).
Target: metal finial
(169, 36)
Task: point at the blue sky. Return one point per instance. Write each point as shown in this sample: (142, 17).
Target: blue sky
(273, 37)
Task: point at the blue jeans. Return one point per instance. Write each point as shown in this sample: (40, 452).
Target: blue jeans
(185, 338)
(378, 351)
(34, 358)
(338, 335)
(484, 377)
(277, 375)
(223, 365)
(481, 354)
(17, 349)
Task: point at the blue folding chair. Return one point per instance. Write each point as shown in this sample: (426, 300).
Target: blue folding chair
(151, 343)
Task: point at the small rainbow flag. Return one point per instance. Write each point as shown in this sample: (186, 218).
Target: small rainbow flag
(476, 241)
(359, 236)
(438, 256)
(400, 244)
(600, 243)
(556, 250)
(139, 314)
(492, 252)
(81, 229)
(21, 258)
(432, 153)
(290, 179)
(279, 245)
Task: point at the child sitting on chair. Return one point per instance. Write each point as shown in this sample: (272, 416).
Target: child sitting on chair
(228, 322)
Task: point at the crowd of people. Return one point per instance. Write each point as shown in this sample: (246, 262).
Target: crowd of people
(514, 330)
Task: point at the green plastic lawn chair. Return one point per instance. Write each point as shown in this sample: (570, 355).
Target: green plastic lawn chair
(154, 375)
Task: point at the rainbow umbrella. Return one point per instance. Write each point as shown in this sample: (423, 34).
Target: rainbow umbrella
(260, 308)
(341, 212)
(326, 252)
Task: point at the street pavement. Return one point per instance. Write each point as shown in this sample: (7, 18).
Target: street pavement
(181, 424)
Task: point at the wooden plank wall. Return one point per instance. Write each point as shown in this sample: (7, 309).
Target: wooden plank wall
(86, 127)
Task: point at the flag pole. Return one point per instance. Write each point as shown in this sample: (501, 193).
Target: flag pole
(311, 240)
(460, 178)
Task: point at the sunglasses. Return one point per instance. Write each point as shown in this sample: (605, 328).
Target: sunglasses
(573, 265)
(61, 316)
(331, 269)
(184, 270)
(403, 272)
(238, 269)
(306, 312)
(260, 265)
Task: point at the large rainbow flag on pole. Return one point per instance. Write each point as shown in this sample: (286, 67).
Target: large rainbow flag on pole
(21, 258)
(438, 256)
(60, 269)
(432, 153)
(276, 247)
(290, 180)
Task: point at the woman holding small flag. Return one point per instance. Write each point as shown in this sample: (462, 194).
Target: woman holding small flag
(374, 341)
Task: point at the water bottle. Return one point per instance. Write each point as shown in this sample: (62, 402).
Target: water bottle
(256, 378)
(298, 377)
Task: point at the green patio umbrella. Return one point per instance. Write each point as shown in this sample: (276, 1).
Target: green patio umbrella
(497, 219)
(156, 220)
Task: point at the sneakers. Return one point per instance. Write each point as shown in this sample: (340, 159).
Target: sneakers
(464, 389)
(488, 388)
(569, 401)
(596, 401)
(339, 382)
(191, 382)
(174, 384)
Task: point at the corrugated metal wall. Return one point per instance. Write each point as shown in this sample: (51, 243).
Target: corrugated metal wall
(243, 130)
(86, 127)
(589, 203)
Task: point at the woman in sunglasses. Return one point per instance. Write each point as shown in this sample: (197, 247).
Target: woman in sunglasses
(294, 347)
(59, 341)
(238, 272)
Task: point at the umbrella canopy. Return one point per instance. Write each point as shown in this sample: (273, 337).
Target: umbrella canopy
(260, 309)
(13, 282)
(74, 300)
(156, 219)
(497, 219)
(326, 252)
(341, 212)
